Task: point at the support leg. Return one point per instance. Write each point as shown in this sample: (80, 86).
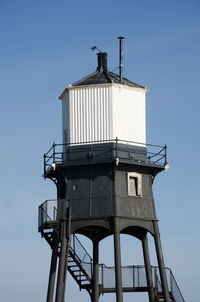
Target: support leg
(95, 289)
(67, 253)
(161, 263)
(148, 269)
(118, 271)
(61, 268)
(52, 273)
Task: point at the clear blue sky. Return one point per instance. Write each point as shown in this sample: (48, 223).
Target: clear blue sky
(45, 46)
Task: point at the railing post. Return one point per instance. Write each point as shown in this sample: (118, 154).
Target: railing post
(45, 211)
(116, 151)
(44, 158)
(165, 154)
(74, 244)
(155, 278)
(54, 152)
(171, 287)
(102, 268)
(91, 268)
(54, 213)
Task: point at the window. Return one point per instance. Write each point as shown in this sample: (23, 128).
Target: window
(134, 182)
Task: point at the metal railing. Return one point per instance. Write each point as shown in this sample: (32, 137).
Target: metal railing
(47, 212)
(135, 277)
(59, 153)
(80, 253)
(132, 276)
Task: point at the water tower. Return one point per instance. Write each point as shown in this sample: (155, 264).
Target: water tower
(104, 171)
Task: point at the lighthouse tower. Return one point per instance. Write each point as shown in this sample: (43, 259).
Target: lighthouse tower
(104, 171)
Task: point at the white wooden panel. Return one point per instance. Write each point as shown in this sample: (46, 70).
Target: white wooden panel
(129, 113)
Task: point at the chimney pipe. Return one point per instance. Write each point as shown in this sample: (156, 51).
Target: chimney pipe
(121, 58)
(102, 62)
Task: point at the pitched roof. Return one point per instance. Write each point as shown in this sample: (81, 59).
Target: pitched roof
(102, 78)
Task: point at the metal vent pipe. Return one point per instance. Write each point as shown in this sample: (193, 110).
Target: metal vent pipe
(121, 58)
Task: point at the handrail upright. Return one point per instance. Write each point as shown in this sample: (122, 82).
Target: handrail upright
(134, 276)
(165, 154)
(156, 278)
(116, 144)
(44, 161)
(54, 145)
(171, 281)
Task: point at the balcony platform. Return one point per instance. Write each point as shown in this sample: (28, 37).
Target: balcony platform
(112, 151)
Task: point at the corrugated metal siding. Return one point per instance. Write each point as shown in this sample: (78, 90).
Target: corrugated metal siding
(90, 114)
(65, 116)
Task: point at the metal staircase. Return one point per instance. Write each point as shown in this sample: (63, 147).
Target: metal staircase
(80, 264)
(133, 277)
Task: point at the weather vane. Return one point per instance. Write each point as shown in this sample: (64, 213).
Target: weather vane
(95, 47)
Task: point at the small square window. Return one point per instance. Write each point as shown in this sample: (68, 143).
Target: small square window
(134, 181)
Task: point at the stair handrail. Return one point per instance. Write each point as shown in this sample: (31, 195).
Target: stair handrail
(173, 284)
(73, 249)
(75, 239)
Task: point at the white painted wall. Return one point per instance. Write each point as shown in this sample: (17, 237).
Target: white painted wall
(129, 113)
(104, 112)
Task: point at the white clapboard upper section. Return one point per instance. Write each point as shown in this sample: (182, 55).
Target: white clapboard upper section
(103, 112)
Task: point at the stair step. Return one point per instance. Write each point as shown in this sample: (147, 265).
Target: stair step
(75, 270)
(77, 273)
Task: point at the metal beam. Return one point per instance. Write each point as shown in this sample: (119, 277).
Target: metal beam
(148, 269)
(95, 287)
(67, 252)
(117, 254)
(61, 268)
(52, 273)
(161, 263)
